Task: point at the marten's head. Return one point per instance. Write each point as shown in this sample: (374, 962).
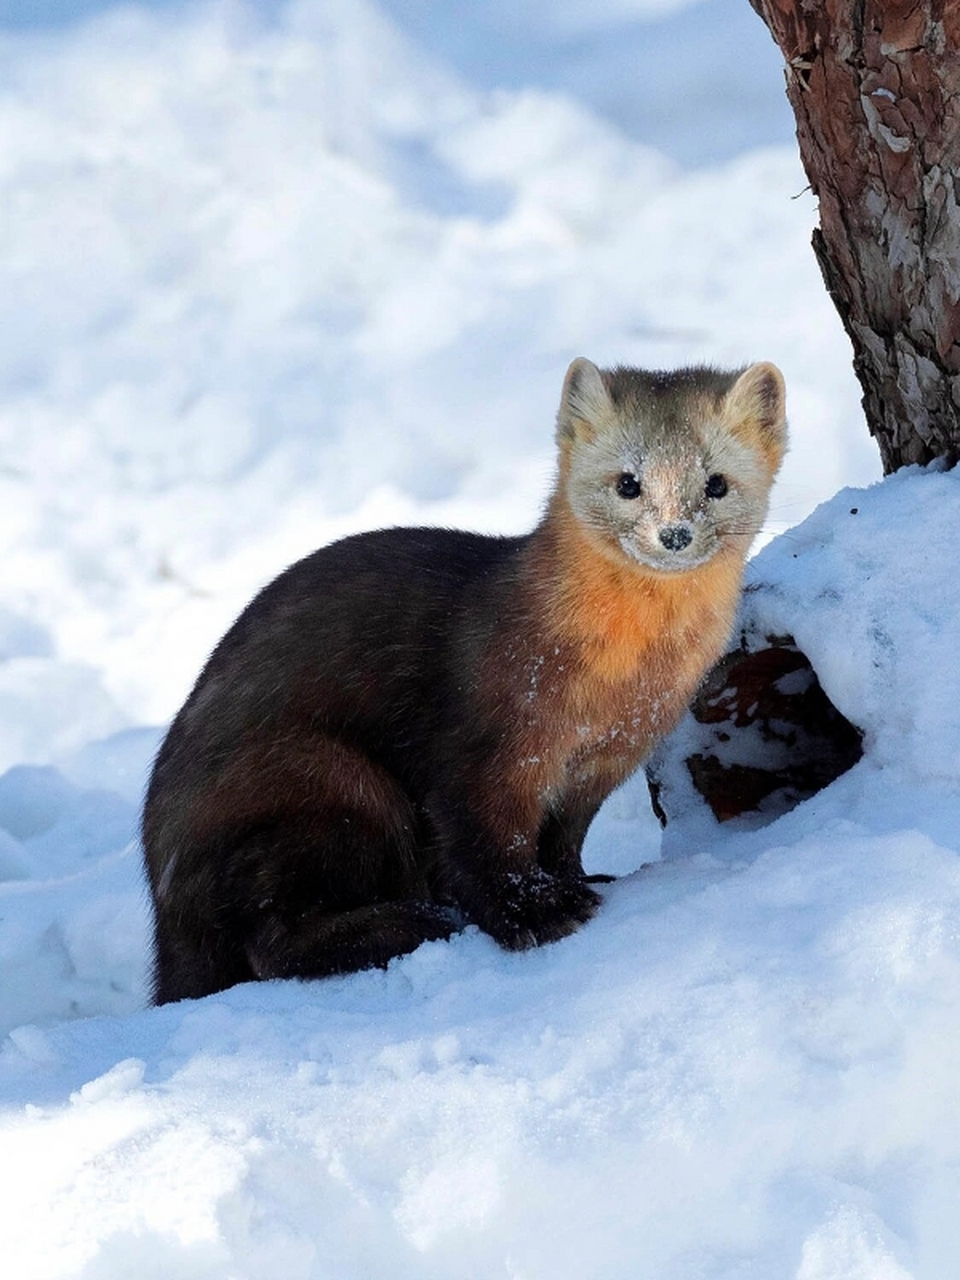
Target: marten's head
(670, 468)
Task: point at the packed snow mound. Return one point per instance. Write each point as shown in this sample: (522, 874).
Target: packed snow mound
(863, 587)
(743, 1066)
(866, 586)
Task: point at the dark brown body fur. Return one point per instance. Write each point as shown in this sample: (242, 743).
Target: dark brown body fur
(310, 818)
(410, 729)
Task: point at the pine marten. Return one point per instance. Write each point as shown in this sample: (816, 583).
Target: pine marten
(412, 729)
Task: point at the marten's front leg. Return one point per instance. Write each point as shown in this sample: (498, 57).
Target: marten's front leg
(561, 839)
(489, 866)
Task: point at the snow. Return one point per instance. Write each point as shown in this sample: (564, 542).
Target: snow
(276, 273)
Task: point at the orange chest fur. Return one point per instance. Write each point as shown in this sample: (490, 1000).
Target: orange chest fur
(629, 626)
(609, 662)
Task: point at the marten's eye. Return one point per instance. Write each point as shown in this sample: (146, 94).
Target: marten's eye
(716, 487)
(628, 486)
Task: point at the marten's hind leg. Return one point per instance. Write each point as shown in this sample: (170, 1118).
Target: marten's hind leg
(337, 890)
(321, 942)
(314, 868)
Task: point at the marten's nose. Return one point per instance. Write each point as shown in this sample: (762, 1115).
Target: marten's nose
(675, 537)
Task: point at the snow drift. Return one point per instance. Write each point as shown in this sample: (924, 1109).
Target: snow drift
(743, 1066)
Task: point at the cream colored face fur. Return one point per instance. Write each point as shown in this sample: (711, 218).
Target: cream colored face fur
(702, 448)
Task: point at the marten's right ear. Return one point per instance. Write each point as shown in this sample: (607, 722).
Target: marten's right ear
(583, 402)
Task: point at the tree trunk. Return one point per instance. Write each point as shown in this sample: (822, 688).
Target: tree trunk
(875, 86)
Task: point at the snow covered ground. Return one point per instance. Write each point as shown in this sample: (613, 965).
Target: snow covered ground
(272, 273)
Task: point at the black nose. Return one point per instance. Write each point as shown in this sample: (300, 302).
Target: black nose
(675, 537)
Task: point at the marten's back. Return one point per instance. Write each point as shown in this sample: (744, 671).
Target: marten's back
(385, 598)
(366, 638)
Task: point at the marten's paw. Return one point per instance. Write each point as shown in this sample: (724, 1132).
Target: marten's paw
(534, 907)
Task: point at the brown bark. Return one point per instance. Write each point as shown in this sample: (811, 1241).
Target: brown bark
(875, 87)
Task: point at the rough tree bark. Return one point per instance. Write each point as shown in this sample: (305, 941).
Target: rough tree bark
(875, 87)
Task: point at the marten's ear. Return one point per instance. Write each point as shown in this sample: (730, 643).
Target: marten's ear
(583, 402)
(755, 407)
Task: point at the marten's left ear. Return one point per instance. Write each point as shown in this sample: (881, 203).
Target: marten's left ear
(583, 402)
(756, 406)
